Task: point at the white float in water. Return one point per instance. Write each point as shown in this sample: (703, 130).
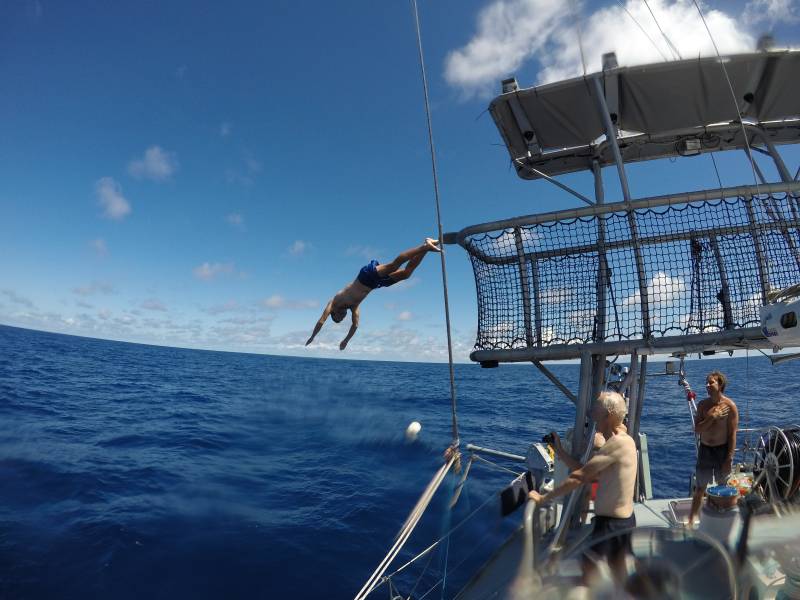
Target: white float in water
(413, 430)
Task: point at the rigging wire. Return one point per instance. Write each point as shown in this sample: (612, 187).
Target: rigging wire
(733, 96)
(439, 223)
(625, 8)
(672, 48)
(576, 16)
(491, 498)
(716, 170)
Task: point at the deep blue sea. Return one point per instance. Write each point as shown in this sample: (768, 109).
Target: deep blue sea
(133, 471)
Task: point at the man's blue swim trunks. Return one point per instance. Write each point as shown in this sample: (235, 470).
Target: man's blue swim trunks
(368, 276)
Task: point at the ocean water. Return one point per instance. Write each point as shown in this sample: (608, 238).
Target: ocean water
(132, 471)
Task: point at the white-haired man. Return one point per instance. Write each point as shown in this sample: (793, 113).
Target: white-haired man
(613, 466)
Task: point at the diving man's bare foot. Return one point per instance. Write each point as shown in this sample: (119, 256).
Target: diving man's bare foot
(432, 245)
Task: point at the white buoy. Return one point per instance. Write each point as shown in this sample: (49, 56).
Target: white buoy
(412, 431)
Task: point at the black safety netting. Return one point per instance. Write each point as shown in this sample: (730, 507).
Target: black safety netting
(672, 270)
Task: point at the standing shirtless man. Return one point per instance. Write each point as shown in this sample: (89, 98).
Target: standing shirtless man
(716, 421)
(370, 277)
(614, 466)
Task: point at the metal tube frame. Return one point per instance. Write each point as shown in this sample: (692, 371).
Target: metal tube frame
(526, 292)
(557, 183)
(555, 381)
(763, 273)
(782, 226)
(748, 337)
(611, 135)
(652, 202)
(727, 314)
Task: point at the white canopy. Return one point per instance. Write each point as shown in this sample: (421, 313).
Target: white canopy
(555, 127)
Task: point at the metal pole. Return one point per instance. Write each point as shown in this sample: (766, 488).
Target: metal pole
(602, 267)
(455, 440)
(497, 453)
(763, 275)
(773, 152)
(557, 183)
(598, 366)
(523, 279)
(546, 372)
(581, 407)
(725, 294)
(611, 135)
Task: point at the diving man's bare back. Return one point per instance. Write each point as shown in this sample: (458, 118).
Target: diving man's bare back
(371, 276)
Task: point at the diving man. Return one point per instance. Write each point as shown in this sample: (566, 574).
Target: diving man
(370, 277)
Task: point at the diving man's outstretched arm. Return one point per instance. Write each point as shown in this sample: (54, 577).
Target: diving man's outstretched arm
(355, 313)
(321, 322)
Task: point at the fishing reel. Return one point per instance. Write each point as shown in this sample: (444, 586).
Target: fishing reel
(777, 463)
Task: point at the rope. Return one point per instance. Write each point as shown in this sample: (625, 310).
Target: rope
(500, 467)
(578, 30)
(733, 96)
(716, 170)
(625, 8)
(406, 530)
(672, 48)
(439, 223)
(439, 541)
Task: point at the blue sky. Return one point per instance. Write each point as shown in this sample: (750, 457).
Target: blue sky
(206, 175)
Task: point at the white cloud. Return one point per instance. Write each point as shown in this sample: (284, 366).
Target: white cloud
(512, 32)
(96, 287)
(156, 164)
(154, 304)
(236, 176)
(276, 301)
(367, 252)
(662, 291)
(299, 247)
(229, 306)
(208, 271)
(236, 220)
(405, 316)
(100, 247)
(770, 12)
(225, 129)
(109, 194)
(253, 165)
(15, 298)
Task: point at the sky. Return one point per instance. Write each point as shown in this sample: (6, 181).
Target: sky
(207, 175)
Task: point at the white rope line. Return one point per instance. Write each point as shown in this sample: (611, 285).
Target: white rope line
(578, 30)
(467, 557)
(406, 530)
(733, 96)
(672, 48)
(439, 223)
(500, 467)
(625, 8)
(446, 535)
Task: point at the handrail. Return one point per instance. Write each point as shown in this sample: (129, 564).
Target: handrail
(600, 209)
(526, 579)
(566, 515)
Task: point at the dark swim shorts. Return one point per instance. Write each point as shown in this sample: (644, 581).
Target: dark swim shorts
(612, 547)
(368, 276)
(709, 464)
